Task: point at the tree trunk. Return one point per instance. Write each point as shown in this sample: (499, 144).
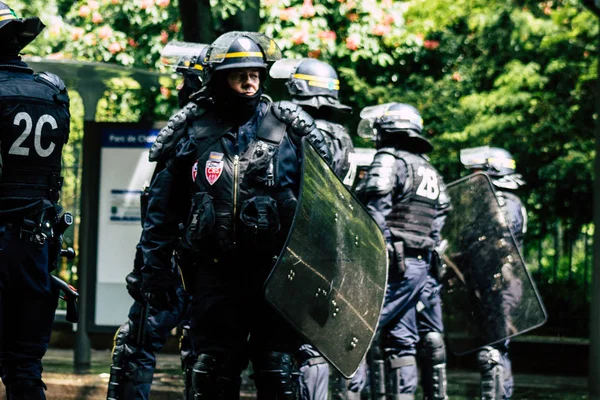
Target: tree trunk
(197, 21)
(246, 20)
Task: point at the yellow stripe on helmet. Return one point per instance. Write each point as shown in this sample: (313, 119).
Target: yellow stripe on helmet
(505, 162)
(6, 17)
(196, 66)
(329, 86)
(316, 78)
(240, 54)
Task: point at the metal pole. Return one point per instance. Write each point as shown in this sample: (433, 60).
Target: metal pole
(89, 224)
(594, 351)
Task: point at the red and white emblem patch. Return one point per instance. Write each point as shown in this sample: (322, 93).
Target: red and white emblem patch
(214, 167)
(195, 171)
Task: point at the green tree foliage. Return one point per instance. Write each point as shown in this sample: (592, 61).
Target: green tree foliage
(518, 74)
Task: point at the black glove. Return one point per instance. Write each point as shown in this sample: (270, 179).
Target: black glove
(134, 282)
(160, 288)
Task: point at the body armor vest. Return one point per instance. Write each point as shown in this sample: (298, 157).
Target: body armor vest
(340, 145)
(238, 194)
(35, 126)
(415, 208)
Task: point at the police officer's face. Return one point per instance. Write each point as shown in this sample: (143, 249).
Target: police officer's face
(244, 81)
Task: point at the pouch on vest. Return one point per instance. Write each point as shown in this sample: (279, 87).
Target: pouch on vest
(398, 261)
(200, 221)
(260, 214)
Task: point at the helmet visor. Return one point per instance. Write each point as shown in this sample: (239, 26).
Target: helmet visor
(366, 130)
(284, 69)
(182, 54)
(373, 112)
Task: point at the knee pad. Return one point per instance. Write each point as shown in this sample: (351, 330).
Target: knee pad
(402, 376)
(434, 348)
(492, 373)
(215, 378)
(433, 368)
(276, 376)
(124, 374)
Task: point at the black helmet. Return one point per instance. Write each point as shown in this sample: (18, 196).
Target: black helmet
(498, 163)
(234, 50)
(394, 124)
(310, 82)
(16, 33)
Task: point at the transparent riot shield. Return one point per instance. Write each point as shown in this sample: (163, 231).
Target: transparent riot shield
(329, 281)
(488, 293)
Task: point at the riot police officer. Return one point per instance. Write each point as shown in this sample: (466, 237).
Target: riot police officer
(235, 184)
(35, 127)
(407, 197)
(494, 362)
(147, 329)
(314, 85)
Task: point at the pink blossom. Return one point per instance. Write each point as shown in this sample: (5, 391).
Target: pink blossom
(388, 19)
(164, 37)
(147, 4)
(300, 37)
(77, 33)
(327, 36)
(353, 42)
(115, 48)
(307, 10)
(84, 11)
(174, 27)
(457, 77)
(431, 44)
(353, 17)
(93, 4)
(381, 30)
(132, 42)
(105, 32)
(163, 3)
(287, 13)
(97, 18)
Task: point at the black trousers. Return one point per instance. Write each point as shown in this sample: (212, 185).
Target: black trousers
(27, 306)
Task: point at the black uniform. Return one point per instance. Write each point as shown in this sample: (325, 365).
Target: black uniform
(235, 182)
(34, 128)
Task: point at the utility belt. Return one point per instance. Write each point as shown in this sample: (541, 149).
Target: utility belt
(401, 253)
(37, 228)
(27, 185)
(421, 254)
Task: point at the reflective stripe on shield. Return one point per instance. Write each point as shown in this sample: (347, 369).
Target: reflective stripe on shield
(329, 281)
(488, 293)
